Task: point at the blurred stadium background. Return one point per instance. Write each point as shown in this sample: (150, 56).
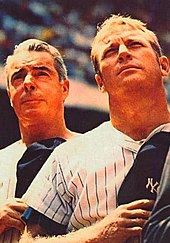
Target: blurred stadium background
(70, 25)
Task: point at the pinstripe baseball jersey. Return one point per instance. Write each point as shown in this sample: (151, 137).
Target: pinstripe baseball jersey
(9, 157)
(78, 184)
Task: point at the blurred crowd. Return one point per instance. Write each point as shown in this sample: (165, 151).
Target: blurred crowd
(71, 24)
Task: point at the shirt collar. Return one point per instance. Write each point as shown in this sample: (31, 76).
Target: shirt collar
(163, 128)
(125, 141)
(133, 145)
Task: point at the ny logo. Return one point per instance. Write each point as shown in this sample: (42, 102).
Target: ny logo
(153, 186)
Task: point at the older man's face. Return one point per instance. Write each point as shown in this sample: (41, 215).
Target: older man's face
(34, 89)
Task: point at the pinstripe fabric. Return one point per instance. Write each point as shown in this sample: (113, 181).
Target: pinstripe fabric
(8, 160)
(79, 183)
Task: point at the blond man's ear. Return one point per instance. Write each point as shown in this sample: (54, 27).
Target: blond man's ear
(164, 65)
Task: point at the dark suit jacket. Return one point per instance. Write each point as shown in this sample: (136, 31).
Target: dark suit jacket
(143, 179)
(157, 229)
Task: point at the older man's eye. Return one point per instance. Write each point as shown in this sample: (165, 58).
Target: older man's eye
(17, 78)
(41, 74)
(135, 44)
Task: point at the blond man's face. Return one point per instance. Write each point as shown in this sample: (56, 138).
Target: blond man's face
(126, 59)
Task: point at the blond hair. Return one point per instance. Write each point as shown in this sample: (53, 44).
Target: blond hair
(116, 20)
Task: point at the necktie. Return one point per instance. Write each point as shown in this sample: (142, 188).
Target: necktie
(143, 179)
(32, 161)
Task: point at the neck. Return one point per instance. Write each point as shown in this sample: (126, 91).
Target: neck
(36, 132)
(138, 117)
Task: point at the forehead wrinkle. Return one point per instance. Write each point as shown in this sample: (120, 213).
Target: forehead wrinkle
(26, 61)
(118, 37)
(31, 62)
(130, 35)
(43, 68)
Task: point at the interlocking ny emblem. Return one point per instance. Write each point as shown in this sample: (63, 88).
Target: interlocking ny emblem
(152, 186)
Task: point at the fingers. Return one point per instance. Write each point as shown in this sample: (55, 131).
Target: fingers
(142, 203)
(15, 223)
(121, 230)
(16, 204)
(139, 209)
(8, 211)
(19, 207)
(126, 221)
(131, 223)
(136, 213)
(8, 222)
(132, 232)
(10, 215)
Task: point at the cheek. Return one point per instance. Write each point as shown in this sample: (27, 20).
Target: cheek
(153, 66)
(14, 96)
(108, 67)
(109, 77)
(55, 96)
(148, 58)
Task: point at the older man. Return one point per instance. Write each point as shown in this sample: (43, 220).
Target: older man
(37, 86)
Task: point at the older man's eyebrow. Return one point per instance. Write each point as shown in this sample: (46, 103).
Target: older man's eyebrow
(43, 68)
(17, 72)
